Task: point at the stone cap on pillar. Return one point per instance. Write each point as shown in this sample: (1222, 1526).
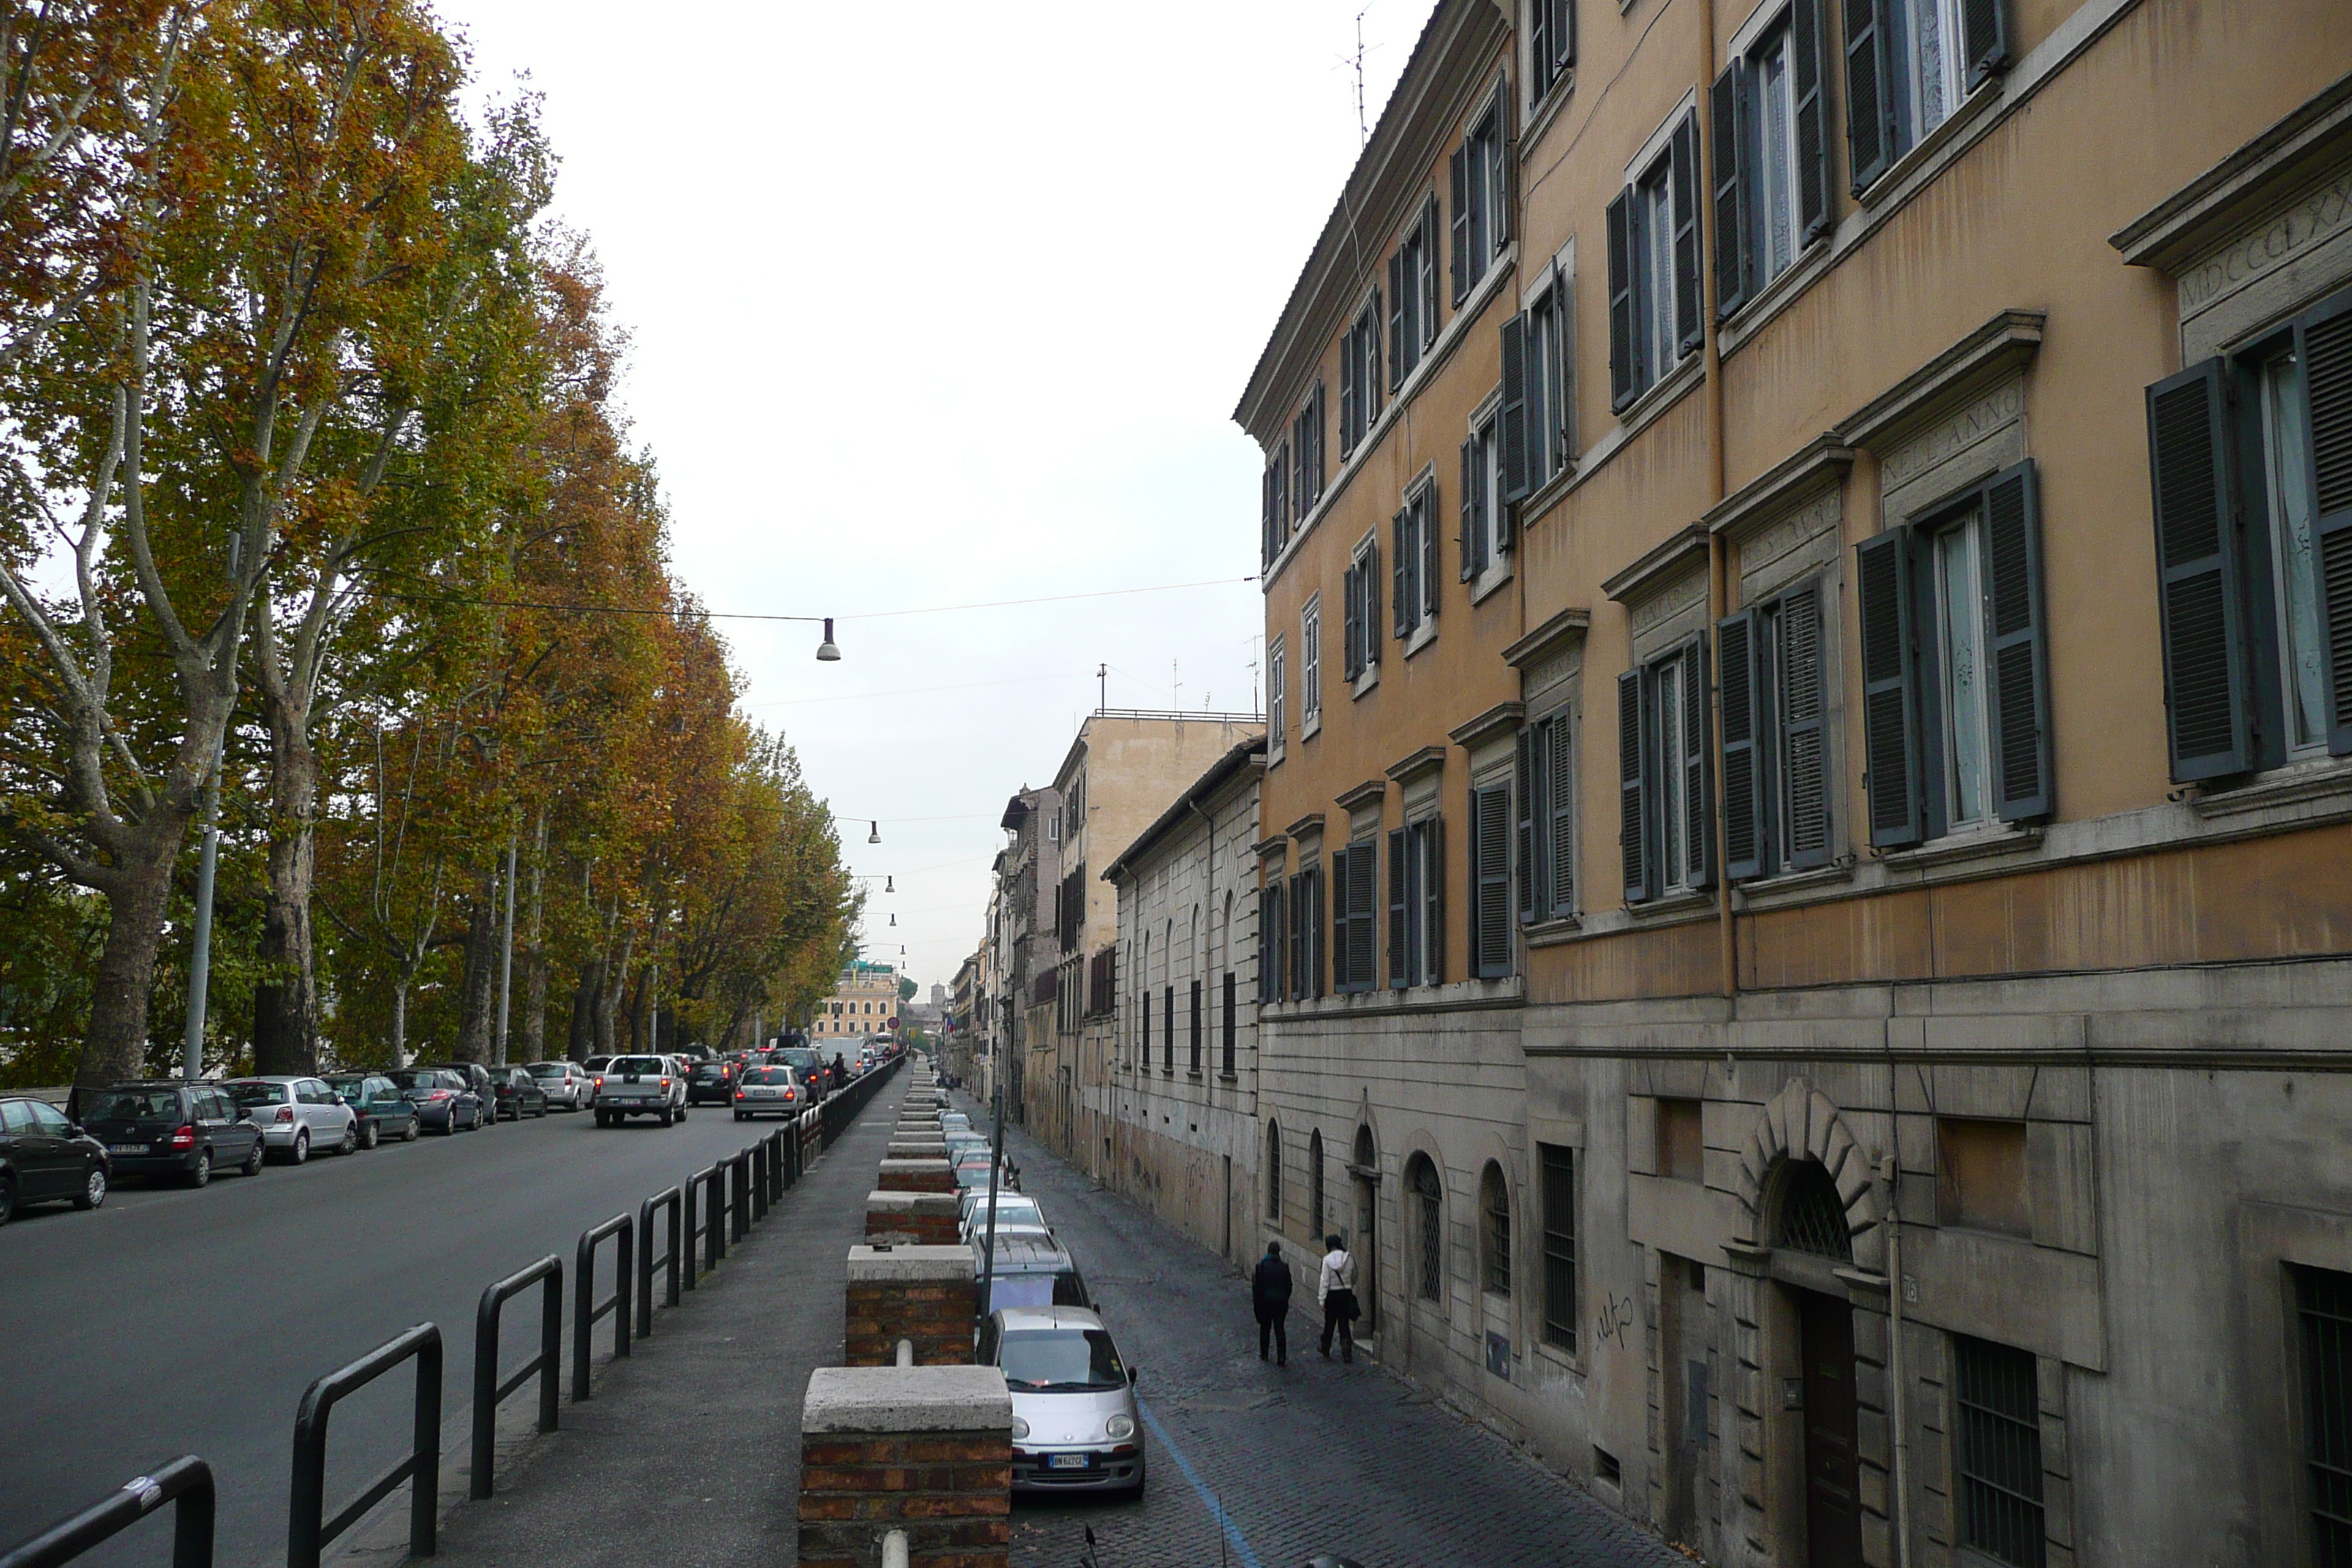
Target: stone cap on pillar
(850, 1400)
(930, 1168)
(901, 1201)
(917, 1149)
(909, 1264)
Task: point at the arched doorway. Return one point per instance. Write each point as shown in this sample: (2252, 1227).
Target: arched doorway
(1364, 1172)
(1809, 1216)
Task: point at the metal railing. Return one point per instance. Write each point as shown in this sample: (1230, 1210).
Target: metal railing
(739, 1196)
(307, 1532)
(714, 1214)
(671, 1202)
(186, 1483)
(488, 1392)
(587, 1311)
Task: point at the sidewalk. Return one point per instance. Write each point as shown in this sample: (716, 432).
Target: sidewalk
(688, 1455)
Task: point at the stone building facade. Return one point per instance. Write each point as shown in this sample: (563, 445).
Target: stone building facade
(1808, 560)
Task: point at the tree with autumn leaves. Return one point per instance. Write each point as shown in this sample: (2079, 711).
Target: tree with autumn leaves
(310, 470)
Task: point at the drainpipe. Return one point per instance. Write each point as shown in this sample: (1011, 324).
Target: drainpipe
(1718, 564)
(1888, 1174)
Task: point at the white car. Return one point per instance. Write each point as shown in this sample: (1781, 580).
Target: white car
(1009, 1207)
(1074, 1409)
(640, 1085)
(566, 1084)
(297, 1115)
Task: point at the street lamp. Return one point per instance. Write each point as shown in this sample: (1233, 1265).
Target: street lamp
(826, 653)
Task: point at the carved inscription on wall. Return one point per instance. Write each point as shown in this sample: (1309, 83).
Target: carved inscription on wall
(1669, 602)
(2250, 257)
(2004, 404)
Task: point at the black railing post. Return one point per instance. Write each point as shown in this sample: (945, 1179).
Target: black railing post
(760, 1180)
(186, 1483)
(739, 1196)
(488, 1392)
(586, 1309)
(693, 1228)
(308, 1532)
(668, 1200)
(714, 1224)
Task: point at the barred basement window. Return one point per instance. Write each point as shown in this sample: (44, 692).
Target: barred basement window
(1559, 1166)
(1494, 1206)
(1998, 1452)
(1812, 1214)
(2323, 1299)
(1429, 1219)
(1274, 1172)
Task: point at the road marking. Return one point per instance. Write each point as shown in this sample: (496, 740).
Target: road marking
(1216, 1509)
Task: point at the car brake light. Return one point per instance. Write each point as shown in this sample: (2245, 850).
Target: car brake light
(285, 1113)
(440, 1094)
(599, 1082)
(739, 1094)
(791, 1094)
(664, 1083)
(185, 1138)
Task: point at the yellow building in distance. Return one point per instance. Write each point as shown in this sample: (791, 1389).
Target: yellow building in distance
(865, 1000)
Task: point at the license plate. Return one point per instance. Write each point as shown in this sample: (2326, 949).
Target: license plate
(126, 1148)
(1065, 1461)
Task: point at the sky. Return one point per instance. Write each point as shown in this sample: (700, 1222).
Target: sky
(941, 305)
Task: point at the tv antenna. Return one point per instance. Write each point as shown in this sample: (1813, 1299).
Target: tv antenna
(1363, 130)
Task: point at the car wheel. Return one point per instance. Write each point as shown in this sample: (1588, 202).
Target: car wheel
(370, 1134)
(351, 1137)
(681, 1113)
(93, 1189)
(602, 1119)
(414, 1126)
(668, 1117)
(739, 1116)
(201, 1173)
(252, 1166)
(300, 1153)
(7, 1201)
(540, 1114)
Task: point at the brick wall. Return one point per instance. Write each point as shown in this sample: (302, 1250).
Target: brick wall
(926, 1450)
(916, 1218)
(917, 1176)
(925, 1294)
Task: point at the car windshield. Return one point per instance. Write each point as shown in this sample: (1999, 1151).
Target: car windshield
(799, 1057)
(137, 1105)
(417, 1078)
(636, 1064)
(767, 1075)
(351, 1088)
(546, 1069)
(252, 1094)
(1061, 1360)
(706, 1072)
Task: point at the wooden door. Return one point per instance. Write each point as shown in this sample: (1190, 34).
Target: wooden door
(1832, 1480)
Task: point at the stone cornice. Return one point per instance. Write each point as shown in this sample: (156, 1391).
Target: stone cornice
(1567, 627)
(1429, 759)
(1820, 463)
(1371, 791)
(2301, 150)
(1987, 355)
(1500, 719)
(1663, 564)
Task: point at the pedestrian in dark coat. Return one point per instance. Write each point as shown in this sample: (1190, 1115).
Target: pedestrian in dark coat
(1270, 1294)
(1336, 1287)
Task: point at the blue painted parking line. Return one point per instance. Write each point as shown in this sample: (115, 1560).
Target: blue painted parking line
(1216, 1509)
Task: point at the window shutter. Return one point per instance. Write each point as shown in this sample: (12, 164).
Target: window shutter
(1984, 38)
(1621, 304)
(1506, 164)
(1725, 107)
(1167, 1034)
(1428, 281)
(1425, 510)
(1746, 813)
(1801, 727)
(1690, 328)
(1432, 896)
(1351, 623)
(1531, 903)
(1363, 899)
(1471, 535)
(1698, 765)
(1144, 1012)
(1812, 118)
(1340, 908)
(1371, 368)
(1281, 495)
(1371, 596)
(1511, 422)
(1399, 962)
(1401, 543)
(2191, 462)
(1633, 788)
(1265, 517)
(2322, 343)
(1869, 120)
(1890, 728)
(1297, 967)
(1315, 956)
(1398, 285)
(1490, 841)
(1347, 394)
(1560, 808)
(1457, 169)
(1265, 896)
(1540, 44)
(1194, 1024)
(2018, 691)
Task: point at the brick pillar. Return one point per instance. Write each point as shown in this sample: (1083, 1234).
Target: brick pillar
(925, 1294)
(917, 1176)
(931, 1219)
(906, 1145)
(923, 1450)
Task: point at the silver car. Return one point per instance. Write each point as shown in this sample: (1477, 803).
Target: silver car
(640, 1085)
(297, 1115)
(567, 1084)
(1075, 1420)
(1009, 1207)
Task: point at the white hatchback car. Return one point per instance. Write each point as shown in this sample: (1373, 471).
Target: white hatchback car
(297, 1115)
(1074, 1411)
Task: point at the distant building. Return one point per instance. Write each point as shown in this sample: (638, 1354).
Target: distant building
(864, 1001)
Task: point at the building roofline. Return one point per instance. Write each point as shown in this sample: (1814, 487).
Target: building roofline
(1250, 753)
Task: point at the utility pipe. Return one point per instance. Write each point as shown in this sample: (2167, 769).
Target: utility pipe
(1889, 1174)
(1719, 561)
(506, 956)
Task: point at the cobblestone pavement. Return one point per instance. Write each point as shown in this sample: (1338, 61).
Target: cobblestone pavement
(1315, 1456)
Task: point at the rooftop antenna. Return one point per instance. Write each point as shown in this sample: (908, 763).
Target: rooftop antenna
(1102, 683)
(1363, 131)
(1174, 686)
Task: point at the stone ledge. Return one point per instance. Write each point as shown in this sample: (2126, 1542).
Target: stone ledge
(910, 1264)
(913, 1203)
(873, 1400)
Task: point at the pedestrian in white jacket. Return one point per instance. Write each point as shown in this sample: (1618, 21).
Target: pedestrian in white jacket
(1334, 1288)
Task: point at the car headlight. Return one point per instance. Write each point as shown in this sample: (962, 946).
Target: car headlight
(1020, 1428)
(1120, 1428)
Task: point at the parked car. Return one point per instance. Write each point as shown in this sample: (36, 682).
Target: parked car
(769, 1091)
(594, 1064)
(566, 1084)
(44, 1158)
(175, 1127)
(1074, 1410)
(640, 1085)
(298, 1115)
(481, 1081)
(445, 1101)
(516, 1094)
(384, 1112)
(711, 1082)
(1009, 1205)
(805, 1061)
(1030, 1270)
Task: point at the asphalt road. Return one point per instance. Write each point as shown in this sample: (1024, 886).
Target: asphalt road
(173, 1322)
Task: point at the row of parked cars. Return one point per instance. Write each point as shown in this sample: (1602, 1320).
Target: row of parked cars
(1074, 1405)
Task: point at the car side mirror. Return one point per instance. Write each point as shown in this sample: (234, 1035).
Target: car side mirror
(1132, 1374)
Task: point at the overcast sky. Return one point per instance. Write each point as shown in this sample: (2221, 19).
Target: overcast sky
(942, 304)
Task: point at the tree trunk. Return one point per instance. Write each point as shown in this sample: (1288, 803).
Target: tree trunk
(535, 952)
(608, 994)
(477, 999)
(137, 890)
(583, 1044)
(286, 1002)
(400, 1022)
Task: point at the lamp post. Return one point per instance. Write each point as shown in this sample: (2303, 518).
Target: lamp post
(200, 960)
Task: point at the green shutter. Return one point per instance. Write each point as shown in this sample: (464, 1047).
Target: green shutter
(1984, 38)
(1490, 869)
(1746, 808)
(1531, 903)
(2199, 565)
(1698, 765)
(2322, 343)
(1869, 117)
(1470, 537)
(1727, 112)
(1889, 689)
(1803, 736)
(1689, 327)
(1400, 606)
(1559, 820)
(1511, 421)
(1399, 962)
(1621, 304)
(1633, 788)
(1398, 349)
(2019, 690)
(1457, 168)
(1812, 118)
(1433, 895)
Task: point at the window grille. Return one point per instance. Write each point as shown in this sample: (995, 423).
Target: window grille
(1429, 1203)
(1999, 1450)
(1558, 1245)
(1812, 1214)
(1498, 1206)
(2324, 1305)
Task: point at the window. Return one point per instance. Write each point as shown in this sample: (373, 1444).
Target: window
(1413, 295)
(1534, 438)
(1273, 502)
(1490, 881)
(1355, 893)
(1305, 901)
(1980, 1175)
(1494, 1231)
(1273, 1174)
(2252, 458)
(1428, 1219)
(1316, 1217)
(1559, 1167)
(1168, 1031)
(1954, 684)
(1775, 768)
(2323, 1300)
(1546, 820)
(1194, 1017)
(1228, 1021)
(1653, 294)
(1277, 693)
(1485, 529)
(1479, 171)
(1306, 457)
(1359, 376)
(1416, 910)
(1551, 43)
(1361, 612)
(1271, 932)
(1143, 1012)
(1910, 64)
(1772, 159)
(1310, 664)
(1664, 766)
(1810, 1216)
(1413, 575)
(1997, 1450)
(1682, 1141)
